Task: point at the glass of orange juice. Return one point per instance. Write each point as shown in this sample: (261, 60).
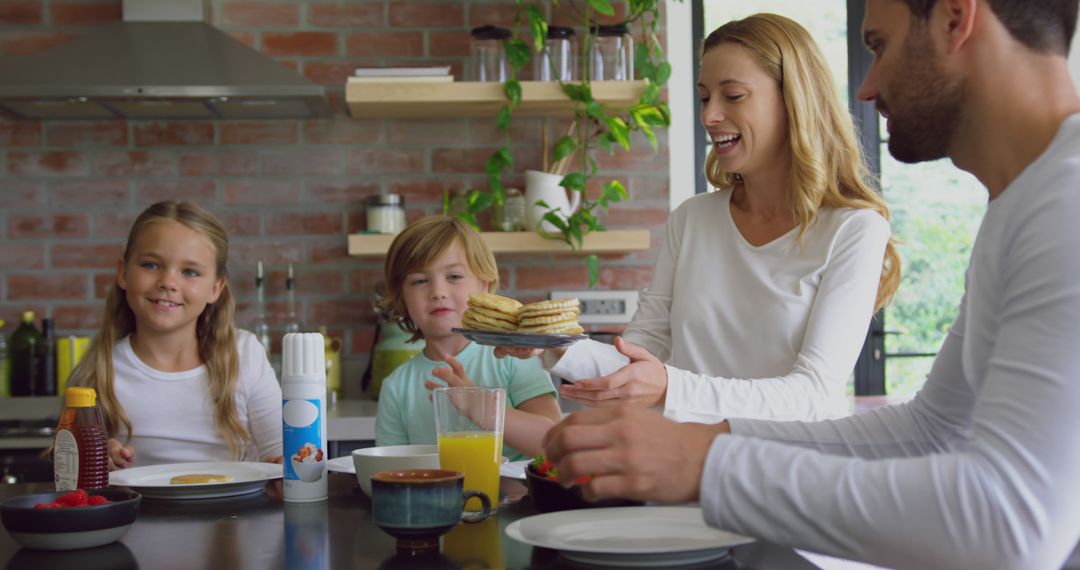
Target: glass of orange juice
(469, 423)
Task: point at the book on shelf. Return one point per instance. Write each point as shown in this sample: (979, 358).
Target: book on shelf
(403, 79)
(431, 71)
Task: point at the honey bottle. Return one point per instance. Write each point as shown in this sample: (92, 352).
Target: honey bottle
(81, 446)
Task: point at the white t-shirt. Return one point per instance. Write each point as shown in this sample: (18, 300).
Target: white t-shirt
(172, 414)
(982, 468)
(770, 331)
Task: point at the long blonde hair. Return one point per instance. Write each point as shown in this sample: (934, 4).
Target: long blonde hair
(828, 169)
(421, 243)
(214, 331)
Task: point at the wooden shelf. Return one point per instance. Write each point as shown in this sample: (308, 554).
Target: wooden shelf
(477, 99)
(615, 241)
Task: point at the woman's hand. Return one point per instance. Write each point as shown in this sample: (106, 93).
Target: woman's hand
(643, 382)
(120, 455)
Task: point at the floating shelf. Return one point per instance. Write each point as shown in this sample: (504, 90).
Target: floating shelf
(615, 241)
(477, 99)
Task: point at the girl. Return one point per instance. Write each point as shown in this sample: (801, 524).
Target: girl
(431, 269)
(176, 381)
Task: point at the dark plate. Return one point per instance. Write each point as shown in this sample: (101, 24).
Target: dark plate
(71, 527)
(549, 496)
(524, 340)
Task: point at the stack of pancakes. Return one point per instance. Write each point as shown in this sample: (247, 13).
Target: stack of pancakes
(490, 312)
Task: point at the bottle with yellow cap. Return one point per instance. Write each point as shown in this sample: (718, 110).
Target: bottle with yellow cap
(81, 446)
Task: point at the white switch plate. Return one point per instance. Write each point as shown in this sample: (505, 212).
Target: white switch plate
(603, 307)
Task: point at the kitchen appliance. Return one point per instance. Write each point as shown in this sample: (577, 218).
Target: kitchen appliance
(163, 61)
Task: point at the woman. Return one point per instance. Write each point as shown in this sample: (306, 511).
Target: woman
(763, 291)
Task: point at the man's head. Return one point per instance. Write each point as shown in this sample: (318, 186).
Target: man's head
(912, 81)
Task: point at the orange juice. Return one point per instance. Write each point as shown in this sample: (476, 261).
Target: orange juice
(477, 455)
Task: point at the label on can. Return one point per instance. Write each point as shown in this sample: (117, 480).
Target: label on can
(304, 459)
(66, 461)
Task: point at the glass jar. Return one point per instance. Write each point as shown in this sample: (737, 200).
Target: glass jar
(487, 57)
(510, 217)
(457, 202)
(611, 55)
(556, 62)
(386, 213)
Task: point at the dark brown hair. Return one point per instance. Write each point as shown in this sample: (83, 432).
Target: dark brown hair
(1042, 25)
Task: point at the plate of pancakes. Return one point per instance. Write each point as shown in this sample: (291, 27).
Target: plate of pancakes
(495, 320)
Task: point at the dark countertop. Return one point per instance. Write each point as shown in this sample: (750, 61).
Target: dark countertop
(257, 532)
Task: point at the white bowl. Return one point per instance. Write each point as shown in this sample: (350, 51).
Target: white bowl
(371, 460)
(309, 471)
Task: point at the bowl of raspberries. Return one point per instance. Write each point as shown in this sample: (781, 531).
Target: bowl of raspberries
(68, 520)
(548, 494)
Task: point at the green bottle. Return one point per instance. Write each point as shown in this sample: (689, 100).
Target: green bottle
(24, 356)
(5, 364)
(391, 351)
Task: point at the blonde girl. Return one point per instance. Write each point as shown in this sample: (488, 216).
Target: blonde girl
(176, 381)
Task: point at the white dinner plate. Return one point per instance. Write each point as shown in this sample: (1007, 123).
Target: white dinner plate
(514, 469)
(627, 536)
(152, 481)
(345, 464)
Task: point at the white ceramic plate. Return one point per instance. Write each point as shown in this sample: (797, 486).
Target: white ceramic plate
(627, 536)
(527, 340)
(153, 480)
(514, 469)
(345, 465)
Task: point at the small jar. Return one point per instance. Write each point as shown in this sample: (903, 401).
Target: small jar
(510, 217)
(556, 62)
(487, 57)
(457, 203)
(611, 56)
(386, 213)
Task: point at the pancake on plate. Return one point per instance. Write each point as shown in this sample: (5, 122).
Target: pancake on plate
(557, 316)
(200, 479)
(490, 312)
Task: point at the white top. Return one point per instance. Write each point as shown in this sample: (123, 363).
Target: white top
(771, 331)
(172, 414)
(981, 469)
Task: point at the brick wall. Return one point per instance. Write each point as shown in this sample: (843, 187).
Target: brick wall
(288, 190)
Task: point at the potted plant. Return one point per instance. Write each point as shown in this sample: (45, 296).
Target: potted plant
(594, 126)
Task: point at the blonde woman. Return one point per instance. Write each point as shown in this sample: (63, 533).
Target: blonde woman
(763, 291)
(175, 380)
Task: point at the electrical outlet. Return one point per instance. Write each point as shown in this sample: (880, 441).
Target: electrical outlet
(603, 307)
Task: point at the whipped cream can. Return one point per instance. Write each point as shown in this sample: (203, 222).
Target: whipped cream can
(303, 417)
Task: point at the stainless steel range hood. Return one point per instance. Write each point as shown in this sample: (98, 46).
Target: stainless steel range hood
(156, 70)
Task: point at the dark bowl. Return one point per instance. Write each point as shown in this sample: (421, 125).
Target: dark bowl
(71, 527)
(550, 496)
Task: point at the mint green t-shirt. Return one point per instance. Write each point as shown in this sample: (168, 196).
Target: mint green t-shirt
(406, 415)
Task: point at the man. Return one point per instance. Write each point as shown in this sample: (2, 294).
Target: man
(982, 468)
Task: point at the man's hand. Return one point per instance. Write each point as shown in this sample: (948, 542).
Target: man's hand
(120, 456)
(632, 453)
(642, 382)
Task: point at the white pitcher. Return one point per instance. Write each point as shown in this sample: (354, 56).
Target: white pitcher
(545, 186)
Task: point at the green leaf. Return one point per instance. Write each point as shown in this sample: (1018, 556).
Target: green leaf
(565, 147)
(663, 73)
(592, 263)
(576, 235)
(446, 202)
(513, 92)
(651, 94)
(517, 54)
(574, 181)
(497, 191)
(620, 132)
(577, 92)
(603, 6)
(595, 110)
(543, 204)
(614, 191)
(470, 219)
(554, 219)
(479, 201)
(502, 122)
(538, 25)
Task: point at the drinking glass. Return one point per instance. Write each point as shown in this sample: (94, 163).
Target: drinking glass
(469, 424)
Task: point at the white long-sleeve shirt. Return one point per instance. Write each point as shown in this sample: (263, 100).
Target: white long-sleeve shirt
(982, 468)
(770, 331)
(172, 413)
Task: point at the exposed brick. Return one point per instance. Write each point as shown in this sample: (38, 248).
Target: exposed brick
(345, 312)
(98, 256)
(21, 194)
(78, 317)
(622, 277)
(483, 132)
(136, 163)
(384, 44)
(22, 256)
(223, 163)
(83, 13)
(246, 38)
(260, 132)
(48, 225)
(89, 133)
(342, 130)
(344, 192)
(352, 16)
(425, 191)
(261, 192)
(56, 163)
(20, 133)
(102, 283)
(46, 287)
(362, 339)
(271, 251)
(426, 131)
(495, 13)
(308, 282)
(426, 15)
(643, 188)
(90, 192)
(20, 12)
(329, 251)
(325, 161)
(543, 278)
(329, 72)
(640, 158)
(449, 44)
(569, 18)
(240, 223)
(114, 224)
(364, 280)
(260, 14)
(201, 192)
(628, 216)
(178, 133)
(318, 223)
(468, 160)
(300, 43)
(29, 43)
(367, 161)
(595, 186)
